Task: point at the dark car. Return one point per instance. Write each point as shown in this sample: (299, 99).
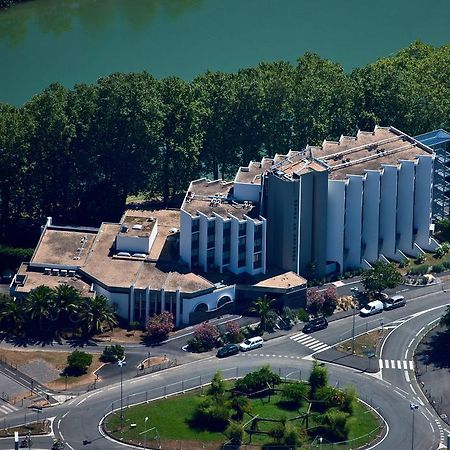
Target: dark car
(315, 325)
(228, 350)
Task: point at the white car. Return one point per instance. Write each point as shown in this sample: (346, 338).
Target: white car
(251, 343)
(372, 308)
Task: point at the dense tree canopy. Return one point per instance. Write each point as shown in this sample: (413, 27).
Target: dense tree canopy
(76, 154)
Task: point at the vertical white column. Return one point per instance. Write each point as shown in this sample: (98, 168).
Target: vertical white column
(131, 303)
(405, 207)
(178, 308)
(388, 210)
(371, 215)
(264, 247)
(147, 303)
(163, 297)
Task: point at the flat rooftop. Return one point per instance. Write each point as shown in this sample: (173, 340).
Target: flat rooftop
(286, 280)
(296, 166)
(252, 174)
(136, 225)
(35, 279)
(98, 259)
(353, 155)
(209, 197)
(68, 247)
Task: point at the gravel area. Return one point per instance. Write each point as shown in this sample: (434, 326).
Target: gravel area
(40, 370)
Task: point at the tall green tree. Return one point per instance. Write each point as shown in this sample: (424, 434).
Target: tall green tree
(181, 136)
(383, 275)
(39, 302)
(263, 306)
(96, 315)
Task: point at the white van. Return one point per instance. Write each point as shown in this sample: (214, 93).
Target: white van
(372, 308)
(251, 343)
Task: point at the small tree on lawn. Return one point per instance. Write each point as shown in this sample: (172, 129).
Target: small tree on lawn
(314, 301)
(235, 433)
(217, 387)
(383, 275)
(241, 405)
(233, 331)
(159, 326)
(330, 299)
(78, 362)
(318, 378)
(295, 393)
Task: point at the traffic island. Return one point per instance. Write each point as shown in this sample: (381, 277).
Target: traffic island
(359, 354)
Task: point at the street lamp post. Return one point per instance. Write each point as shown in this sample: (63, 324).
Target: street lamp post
(413, 408)
(145, 433)
(121, 363)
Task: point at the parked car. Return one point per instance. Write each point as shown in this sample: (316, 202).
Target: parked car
(251, 343)
(228, 350)
(396, 301)
(372, 308)
(315, 325)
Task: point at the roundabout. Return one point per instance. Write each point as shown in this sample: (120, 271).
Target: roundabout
(391, 391)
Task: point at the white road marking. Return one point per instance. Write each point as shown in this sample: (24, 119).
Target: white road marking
(82, 401)
(392, 364)
(399, 365)
(411, 365)
(405, 366)
(58, 424)
(414, 392)
(65, 414)
(409, 345)
(407, 376)
(380, 363)
(406, 354)
(68, 445)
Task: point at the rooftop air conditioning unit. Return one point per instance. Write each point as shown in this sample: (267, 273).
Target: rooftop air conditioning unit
(137, 226)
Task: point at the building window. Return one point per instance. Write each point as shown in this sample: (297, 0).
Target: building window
(242, 244)
(210, 257)
(226, 257)
(242, 229)
(195, 225)
(211, 227)
(257, 260)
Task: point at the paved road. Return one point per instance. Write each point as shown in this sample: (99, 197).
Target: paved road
(389, 391)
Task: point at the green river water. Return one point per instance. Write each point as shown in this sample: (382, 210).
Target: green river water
(73, 41)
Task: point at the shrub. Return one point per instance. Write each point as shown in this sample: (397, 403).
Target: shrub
(317, 378)
(314, 301)
(233, 332)
(336, 422)
(77, 363)
(295, 393)
(293, 435)
(257, 381)
(241, 405)
(421, 258)
(235, 433)
(302, 315)
(328, 397)
(419, 270)
(446, 264)
(277, 432)
(217, 387)
(112, 353)
(135, 325)
(159, 326)
(349, 399)
(288, 316)
(329, 301)
(437, 268)
(212, 414)
(205, 338)
(271, 320)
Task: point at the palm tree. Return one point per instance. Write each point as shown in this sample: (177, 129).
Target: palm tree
(96, 315)
(11, 314)
(39, 303)
(67, 300)
(263, 307)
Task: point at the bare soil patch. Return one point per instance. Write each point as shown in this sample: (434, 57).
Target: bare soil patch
(120, 335)
(365, 343)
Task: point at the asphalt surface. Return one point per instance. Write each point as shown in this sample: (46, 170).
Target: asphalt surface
(390, 391)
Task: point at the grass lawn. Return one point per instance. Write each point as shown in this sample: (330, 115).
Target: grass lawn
(171, 418)
(430, 259)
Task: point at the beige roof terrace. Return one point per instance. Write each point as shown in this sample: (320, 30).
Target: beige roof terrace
(202, 192)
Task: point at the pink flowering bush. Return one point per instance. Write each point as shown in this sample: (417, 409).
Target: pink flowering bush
(159, 326)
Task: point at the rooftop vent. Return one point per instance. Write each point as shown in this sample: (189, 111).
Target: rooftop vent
(124, 229)
(47, 271)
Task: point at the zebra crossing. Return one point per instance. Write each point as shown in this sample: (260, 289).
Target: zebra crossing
(396, 364)
(6, 408)
(310, 342)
